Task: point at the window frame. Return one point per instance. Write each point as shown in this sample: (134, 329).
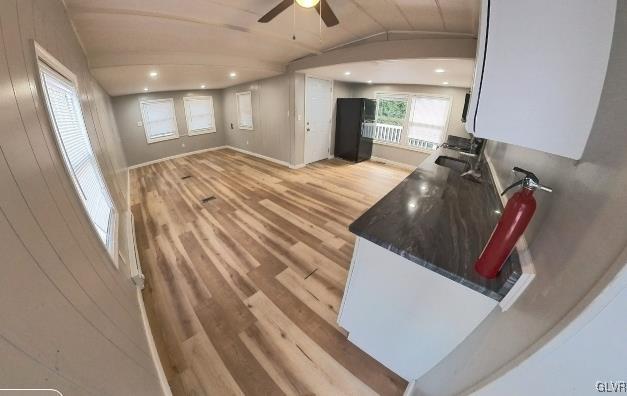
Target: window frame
(203, 131)
(45, 59)
(149, 139)
(404, 144)
(252, 115)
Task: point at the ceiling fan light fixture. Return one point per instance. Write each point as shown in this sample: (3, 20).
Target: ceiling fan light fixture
(307, 3)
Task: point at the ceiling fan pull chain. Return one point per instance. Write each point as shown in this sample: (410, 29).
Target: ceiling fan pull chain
(320, 23)
(294, 21)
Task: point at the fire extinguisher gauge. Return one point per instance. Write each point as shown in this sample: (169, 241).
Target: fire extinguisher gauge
(529, 181)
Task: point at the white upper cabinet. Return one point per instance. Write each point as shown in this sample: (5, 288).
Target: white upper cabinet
(540, 71)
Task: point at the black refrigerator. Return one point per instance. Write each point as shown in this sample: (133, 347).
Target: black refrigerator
(351, 114)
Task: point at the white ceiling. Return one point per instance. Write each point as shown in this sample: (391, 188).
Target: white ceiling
(194, 42)
(457, 72)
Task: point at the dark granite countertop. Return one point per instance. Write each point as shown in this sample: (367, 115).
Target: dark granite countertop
(441, 221)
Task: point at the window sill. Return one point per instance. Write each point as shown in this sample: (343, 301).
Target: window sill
(161, 139)
(201, 132)
(400, 146)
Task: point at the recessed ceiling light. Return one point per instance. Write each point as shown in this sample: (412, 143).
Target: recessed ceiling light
(347, 73)
(203, 86)
(145, 89)
(232, 74)
(153, 74)
(445, 83)
(369, 81)
(439, 70)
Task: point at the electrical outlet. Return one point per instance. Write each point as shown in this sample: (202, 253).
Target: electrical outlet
(182, 144)
(139, 124)
(247, 142)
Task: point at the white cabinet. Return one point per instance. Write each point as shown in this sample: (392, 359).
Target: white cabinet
(406, 316)
(540, 70)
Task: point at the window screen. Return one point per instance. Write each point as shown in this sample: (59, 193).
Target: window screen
(244, 110)
(199, 115)
(68, 123)
(159, 119)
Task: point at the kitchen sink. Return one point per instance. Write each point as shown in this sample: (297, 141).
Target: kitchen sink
(453, 163)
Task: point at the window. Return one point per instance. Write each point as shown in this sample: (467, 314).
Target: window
(244, 110)
(416, 121)
(390, 118)
(427, 121)
(159, 119)
(66, 118)
(199, 115)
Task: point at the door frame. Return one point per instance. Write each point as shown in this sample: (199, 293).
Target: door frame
(329, 155)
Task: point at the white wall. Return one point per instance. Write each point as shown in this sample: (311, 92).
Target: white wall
(138, 150)
(69, 319)
(575, 236)
(272, 132)
(404, 155)
(590, 349)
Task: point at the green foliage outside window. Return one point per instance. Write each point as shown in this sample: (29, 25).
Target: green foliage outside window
(391, 112)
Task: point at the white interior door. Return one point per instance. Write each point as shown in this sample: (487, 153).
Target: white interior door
(318, 102)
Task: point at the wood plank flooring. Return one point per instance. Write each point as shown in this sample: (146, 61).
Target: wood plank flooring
(246, 263)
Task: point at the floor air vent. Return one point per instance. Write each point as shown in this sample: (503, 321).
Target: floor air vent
(205, 200)
(186, 177)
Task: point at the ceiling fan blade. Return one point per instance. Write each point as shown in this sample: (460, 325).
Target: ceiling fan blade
(282, 6)
(327, 14)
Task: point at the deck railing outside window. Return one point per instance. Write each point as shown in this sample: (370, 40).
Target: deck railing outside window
(393, 134)
(383, 132)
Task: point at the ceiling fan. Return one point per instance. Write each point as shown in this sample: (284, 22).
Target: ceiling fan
(321, 6)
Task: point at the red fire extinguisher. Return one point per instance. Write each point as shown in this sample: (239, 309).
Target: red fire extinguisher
(511, 225)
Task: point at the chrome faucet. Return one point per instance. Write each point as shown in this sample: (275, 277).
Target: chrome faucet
(474, 174)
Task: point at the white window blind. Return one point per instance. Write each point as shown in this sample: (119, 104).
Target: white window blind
(68, 123)
(244, 110)
(199, 115)
(427, 120)
(159, 119)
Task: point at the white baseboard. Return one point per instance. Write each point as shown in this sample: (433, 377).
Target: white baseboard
(399, 164)
(165, 387)
(176, 156)
(276, 161)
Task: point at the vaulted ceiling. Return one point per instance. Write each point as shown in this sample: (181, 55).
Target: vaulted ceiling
(194, 43)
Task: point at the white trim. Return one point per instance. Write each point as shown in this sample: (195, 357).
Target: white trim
(389, 162)
(526, 261)
(307, 76)
(165, 387)
(128, 189)
(196, 132)
(31, 390)
(412, 389)
(408, 96)
(175, 156)
(44, 60)
(149, 139)
(351, 269)
(276, 161)
(252, 114)
(137, 275)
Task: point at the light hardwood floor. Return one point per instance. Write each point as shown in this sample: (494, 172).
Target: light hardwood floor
(243, 290)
